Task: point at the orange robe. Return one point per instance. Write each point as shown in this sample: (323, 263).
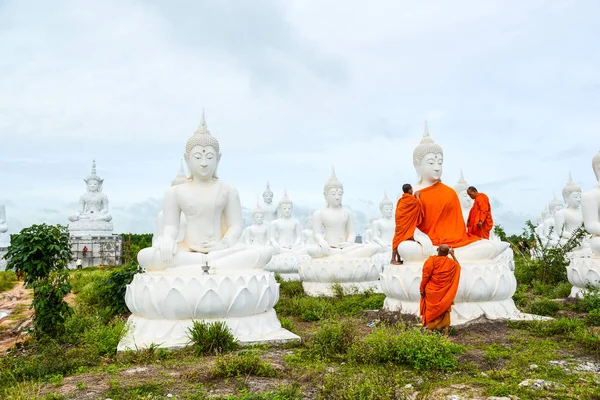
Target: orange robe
(443, 221)
(409, 214)
(440, 284)
(481, 211)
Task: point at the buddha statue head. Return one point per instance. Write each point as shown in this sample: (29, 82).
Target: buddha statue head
(3, 225)
(333, 190)
(596, 166)
(93, 181)
(428, 158)
(554, 205)
(286, 205)
(180, 178)
(202, 153)
(546, 213)
(386, 206)
(258, 215)
(460, 188)
(268, 195)
(572, 193)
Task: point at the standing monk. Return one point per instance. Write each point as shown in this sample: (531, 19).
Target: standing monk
(439, 285)
(480, 220)
(409, 214)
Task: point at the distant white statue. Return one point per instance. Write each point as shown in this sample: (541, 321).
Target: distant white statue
(269, 209)
(4, 237)
(286, 232)
(308, 235)
(367, 237)
(466, 202)
(92, 217)
(384, 228)
(550, 231)
(568, 219)
(257, 234)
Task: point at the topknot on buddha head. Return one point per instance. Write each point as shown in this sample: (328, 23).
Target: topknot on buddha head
(554, 205)
(385, 201)
(285, 199)
(202, 137)
(428, 146)
(596, 165)
(570, 188)
(180, 178)
(333, 182)
(461, 185)
(93, 181)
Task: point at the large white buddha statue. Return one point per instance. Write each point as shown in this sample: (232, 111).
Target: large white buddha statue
(92, 218)
(257, 234)
(270, 209)
(308, 234)
(179, 179)
(384, 227)
(466, 202)
(550, 231)
(568, 219)
(336, 258)
(4, 236)
(214, 218)
(584, 269)
(209, 276)
(286, 231)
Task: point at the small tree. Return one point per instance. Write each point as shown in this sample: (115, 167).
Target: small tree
(39, 254)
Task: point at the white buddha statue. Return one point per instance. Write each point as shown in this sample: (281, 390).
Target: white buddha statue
(466, 202)
(384, 228)
(179, 179)
(286, 231)
(213, 212)
(308, 235)
(550, 231)
(334, 227)
(443, 214)
(368, 235)
(541, 227)
(269, 209)
(257, 234)
(590, 208)
(92, 217)
(568, 219)
(4, 236)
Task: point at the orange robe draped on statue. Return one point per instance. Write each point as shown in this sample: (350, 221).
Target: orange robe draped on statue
(481, 211)
(440, 284)
(443, 221)
(409, 214)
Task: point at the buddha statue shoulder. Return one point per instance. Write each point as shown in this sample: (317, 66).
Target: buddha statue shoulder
(286, 231)
(334, 227)
(214, 218)
(590, 208)
(466, 202)
(568, 219)
(442, 221)
(257, 234)
(384, 228)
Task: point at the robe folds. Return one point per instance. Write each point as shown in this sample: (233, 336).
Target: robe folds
(409, 214)
(439, 282)
(481, 211)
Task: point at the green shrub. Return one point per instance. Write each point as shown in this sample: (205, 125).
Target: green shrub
(213, 338)
(562, 290)
(558, 326)
(588, 338)
(545, 307)
(521, 297)
(51, 310)
(333, 338)
(406, 346)
(291, 288)
(590, 300)
(306, 308)
(495, 352)
(287, 324)
(246, 362)
(367, 385)
(540, 289)
(593, 317)
(8, 279)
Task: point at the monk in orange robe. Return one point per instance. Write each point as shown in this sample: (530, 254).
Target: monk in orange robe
(439, 285)
(480, 220)
(409, 214)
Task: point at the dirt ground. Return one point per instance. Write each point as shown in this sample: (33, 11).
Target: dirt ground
(13, 326)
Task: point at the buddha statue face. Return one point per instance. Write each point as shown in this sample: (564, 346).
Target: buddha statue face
(387, 210)
(203, 162)
(554, 209)
(286, 210)
(309, 222)
(574, 199)
(333, 197)
(258, 218)
(268, 197)
(430, 167)
(93, 185)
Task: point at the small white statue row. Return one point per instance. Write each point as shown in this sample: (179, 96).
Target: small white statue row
(4, 236)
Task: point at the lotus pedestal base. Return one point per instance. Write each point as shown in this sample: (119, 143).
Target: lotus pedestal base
(583, 272)
(286, 265)
(164, 306)
(320, 276)
(485, 290)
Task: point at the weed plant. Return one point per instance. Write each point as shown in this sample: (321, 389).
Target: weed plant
(213, 338)
(8, 279)
(246, 362)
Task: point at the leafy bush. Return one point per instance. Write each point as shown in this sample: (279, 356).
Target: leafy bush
(287, 324)
(521, 297)
(246, 362)
(51, 310)
(332, 339)
(558, 326)
(590, 300)
(406, 346)
(213, 338)
(544, 307)
(368, 385)
(593, 317)
(495, 352)
(8, 279)
(291, 288)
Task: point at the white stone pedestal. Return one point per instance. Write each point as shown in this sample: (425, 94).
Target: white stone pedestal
(286, 265)
(101, 250)
(485, 290)
(581, 272)
(354, 275)
(164, 307)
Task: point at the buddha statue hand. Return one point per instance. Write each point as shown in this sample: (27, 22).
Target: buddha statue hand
(424, 241)
(325, 247)
(343, 245)
(74, 218)
(209, 247)
(167, 248)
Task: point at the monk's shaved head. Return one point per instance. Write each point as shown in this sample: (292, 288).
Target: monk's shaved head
(443, 250)
(406, 188)
(472, 192)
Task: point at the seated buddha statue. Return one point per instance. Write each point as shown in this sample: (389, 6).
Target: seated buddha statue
(368, 235)
(384, 228)
(286, 231)
(568, 219)
(214, 218)
(334, 227)
(466, 202)
(550, 231)
(308, 235)
(269, 209)
(590, 209)
(257, 234)
(179, 179)
(442, 221)
(4, 236)
(93, 206)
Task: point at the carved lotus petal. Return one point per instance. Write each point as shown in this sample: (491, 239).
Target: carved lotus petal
(210, 305)
(242, 305)
(264, 303)
(130, 299)
(178, 307)
(148, 308)
(227, 289)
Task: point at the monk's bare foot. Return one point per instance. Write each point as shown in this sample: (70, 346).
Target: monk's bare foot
(396, 262)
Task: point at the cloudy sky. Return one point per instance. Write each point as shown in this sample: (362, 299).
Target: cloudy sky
(510, 88)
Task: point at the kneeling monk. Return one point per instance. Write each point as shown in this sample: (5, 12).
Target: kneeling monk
(439, 285)
(409, 214)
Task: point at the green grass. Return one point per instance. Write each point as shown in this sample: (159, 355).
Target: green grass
(8, 279)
